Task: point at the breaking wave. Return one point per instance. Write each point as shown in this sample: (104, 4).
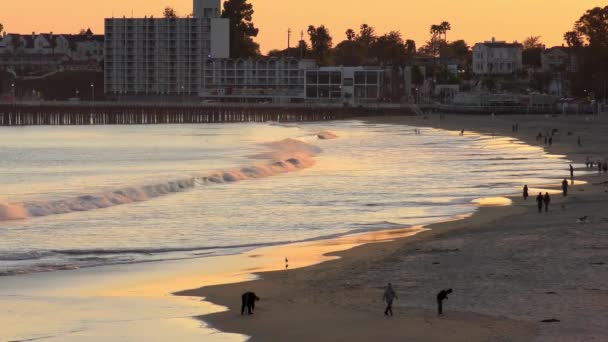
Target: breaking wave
(286, 156)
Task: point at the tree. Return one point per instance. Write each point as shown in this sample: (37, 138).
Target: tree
(573, 39)
(321, 42)
(445, 27)
(590, 35)
(169, 13)
(367, 35)
(242, 30)
(458, 49)
(389, 49)
(350, 35)
(349, 53)
(533, 42)
(593, 27)
(410, 47)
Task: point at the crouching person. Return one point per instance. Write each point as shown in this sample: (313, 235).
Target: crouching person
(248, 301)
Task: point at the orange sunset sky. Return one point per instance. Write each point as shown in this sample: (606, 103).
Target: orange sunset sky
(472, 20)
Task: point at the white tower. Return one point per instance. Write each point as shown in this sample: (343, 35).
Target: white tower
(207, 8)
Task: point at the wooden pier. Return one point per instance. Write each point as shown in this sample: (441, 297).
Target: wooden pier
(138, 114)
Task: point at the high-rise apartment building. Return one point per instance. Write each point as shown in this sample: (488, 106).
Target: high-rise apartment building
(164, 55)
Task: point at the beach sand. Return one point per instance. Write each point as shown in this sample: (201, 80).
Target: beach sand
(510, 267)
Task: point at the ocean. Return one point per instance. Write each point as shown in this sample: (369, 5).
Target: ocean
(81, 197)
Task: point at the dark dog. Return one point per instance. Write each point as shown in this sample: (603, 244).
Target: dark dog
(248, 301)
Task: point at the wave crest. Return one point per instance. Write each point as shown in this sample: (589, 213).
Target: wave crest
(286, 156)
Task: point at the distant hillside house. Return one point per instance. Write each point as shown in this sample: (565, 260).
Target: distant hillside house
(497, 58)
(559, 58)
(69, 51)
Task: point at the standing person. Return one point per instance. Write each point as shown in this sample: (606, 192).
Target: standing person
(526, 192)
(547, 201)
(565, 187)
(441, 296)
(388, 297)
(539, 201)
(550, 141)
(571, 171)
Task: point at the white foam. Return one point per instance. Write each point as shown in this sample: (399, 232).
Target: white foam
(286, 156)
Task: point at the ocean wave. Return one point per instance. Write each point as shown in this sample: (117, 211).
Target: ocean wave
(286, 156)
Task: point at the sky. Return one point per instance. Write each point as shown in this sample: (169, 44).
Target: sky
(471, 20)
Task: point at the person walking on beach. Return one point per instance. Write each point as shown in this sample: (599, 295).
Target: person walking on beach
(565, 187)
(388, 297)
(547, 201)
(571, 171)
(539, 202)
(526, 192)
(441, 296)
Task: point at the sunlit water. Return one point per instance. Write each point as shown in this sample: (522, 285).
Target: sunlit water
(163, 200)
(371, 177)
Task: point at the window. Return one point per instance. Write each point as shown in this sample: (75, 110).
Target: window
(311, 77)
(372, 77)
(359, 77)
(323, 77)
(336, 77)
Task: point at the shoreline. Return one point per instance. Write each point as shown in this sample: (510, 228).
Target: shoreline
(332, 295)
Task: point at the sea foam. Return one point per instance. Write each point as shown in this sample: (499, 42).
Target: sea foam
(285, 156)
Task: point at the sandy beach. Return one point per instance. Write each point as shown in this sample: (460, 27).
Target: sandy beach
(510, 267)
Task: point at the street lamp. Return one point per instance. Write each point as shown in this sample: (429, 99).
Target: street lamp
(93, 92)
(13, 91)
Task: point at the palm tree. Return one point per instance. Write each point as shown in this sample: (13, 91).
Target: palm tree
(445, 27)
(350, 34)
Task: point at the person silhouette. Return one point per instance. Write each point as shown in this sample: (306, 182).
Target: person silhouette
(441, 296)
(547, 201)
(388, 297)
(539, 201)
(565, 187)
(526, 192)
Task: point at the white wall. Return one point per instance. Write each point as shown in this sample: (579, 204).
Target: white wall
(220, 38)
(213, 6)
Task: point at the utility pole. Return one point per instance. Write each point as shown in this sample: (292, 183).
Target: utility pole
(302, 47)
(288, 40)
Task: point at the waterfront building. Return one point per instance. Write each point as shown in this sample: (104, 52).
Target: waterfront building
(497, 58)
(155, 56)
(349, 85)
(265, 79)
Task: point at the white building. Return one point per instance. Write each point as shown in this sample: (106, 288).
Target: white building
(48, 51)
(497, 58)
(165, 55)
(558, 59)
(256, 79)
(352, 85)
